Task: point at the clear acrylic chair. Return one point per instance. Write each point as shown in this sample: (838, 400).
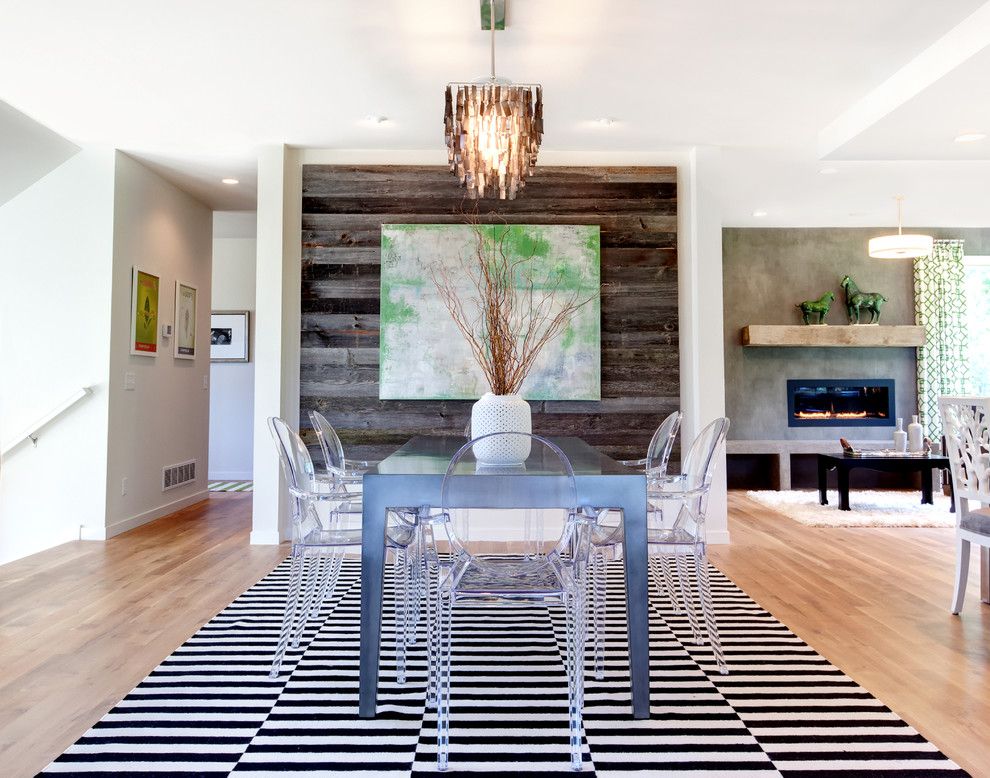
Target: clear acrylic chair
(966, 427)
(344, 473)
(553, 540)
(684, 539)
(607, 537)
(346, 476)
(326, 524)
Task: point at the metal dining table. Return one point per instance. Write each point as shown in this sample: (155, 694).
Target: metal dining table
(411, 477)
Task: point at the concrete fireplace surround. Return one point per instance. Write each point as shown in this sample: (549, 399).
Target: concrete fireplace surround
(765, 273)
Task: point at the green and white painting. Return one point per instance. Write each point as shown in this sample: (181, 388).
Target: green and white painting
(423, 354)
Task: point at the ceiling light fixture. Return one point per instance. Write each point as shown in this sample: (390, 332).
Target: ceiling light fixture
(828, 171)
(606, 121)
(493, 130)
(970, 137)
(759, 214)
(901, 246)
(229, 181)
(376, 120)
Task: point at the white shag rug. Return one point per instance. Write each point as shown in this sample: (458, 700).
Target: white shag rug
(869, 508)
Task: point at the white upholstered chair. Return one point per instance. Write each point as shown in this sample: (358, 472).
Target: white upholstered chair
(966, 426)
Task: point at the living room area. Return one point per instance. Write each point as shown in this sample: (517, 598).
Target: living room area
(495, 387)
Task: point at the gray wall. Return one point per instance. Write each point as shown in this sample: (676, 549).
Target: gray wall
(765, 273)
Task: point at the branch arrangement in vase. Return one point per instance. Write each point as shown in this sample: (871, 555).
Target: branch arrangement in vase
(511, 314)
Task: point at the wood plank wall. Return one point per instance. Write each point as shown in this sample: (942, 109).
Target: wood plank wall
(343, 210)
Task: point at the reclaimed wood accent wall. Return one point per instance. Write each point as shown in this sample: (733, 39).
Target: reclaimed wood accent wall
(343, 208)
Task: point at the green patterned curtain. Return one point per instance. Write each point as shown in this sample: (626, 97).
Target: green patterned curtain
(940, 307)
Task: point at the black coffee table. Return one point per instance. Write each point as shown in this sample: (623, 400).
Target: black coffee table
(843, 464)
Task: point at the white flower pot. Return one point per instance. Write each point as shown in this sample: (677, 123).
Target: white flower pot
(501, 413)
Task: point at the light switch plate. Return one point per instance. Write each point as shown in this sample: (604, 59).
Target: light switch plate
(206, 382)
(130, 380)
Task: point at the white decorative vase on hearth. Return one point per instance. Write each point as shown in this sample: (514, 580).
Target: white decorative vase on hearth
(501, 413)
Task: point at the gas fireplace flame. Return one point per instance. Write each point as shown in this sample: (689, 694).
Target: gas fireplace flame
(830, 415)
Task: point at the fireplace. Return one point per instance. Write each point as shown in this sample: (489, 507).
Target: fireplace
(849, 402)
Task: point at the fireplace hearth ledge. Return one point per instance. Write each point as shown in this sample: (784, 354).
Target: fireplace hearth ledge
(782, 450)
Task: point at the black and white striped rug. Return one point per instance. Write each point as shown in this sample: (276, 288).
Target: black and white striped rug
(210, 709)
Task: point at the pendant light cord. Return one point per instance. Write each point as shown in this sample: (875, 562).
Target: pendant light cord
(491, 20)
(900, 203)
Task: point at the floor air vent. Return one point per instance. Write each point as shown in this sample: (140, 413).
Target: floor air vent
(177, 475)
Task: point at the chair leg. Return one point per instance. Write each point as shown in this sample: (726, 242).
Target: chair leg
(687, 597)
(962, 574)
(432, 632)
(312, 574)
(328, 581)
(291, 598)
(443, 682)
(400, 575)
(705, 592)
(575, 610)
(599, 572)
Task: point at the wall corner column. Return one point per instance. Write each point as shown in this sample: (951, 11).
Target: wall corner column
(277, 327)
(702, 353)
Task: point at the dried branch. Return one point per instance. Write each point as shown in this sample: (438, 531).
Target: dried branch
(506, 325)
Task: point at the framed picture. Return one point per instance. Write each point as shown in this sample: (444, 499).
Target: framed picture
(144, 313)
(184, 334)
(230, 336)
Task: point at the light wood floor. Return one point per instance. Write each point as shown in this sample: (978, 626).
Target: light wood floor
(875, 603)
(81, 624)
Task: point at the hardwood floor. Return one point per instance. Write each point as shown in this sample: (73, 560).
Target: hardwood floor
(875, 603)
(81, 624)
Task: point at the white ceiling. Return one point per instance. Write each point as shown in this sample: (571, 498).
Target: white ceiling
(194, 88)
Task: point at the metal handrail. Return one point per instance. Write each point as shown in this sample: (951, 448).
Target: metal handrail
(31, 432)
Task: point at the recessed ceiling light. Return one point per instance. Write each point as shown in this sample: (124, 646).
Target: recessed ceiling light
(229, 181)
(605, 121)
(970, 137)
(828, 171)
(375, 119)
(759, 214)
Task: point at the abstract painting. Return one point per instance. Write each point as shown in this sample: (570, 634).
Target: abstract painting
(425, 357)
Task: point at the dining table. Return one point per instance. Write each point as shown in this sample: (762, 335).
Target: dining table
(411, 477)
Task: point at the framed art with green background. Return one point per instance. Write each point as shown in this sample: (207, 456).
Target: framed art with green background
(145, 289)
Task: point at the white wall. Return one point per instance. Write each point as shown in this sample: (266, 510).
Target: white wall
(56, 253)
(278, 273)
(28, 152)
(232, 384)
(165, 419)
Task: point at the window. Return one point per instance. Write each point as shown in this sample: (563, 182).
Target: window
(978, 322)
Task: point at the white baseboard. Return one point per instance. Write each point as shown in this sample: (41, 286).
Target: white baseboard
(265, 538)
(231, 475)
(717, 537)
(112, 530)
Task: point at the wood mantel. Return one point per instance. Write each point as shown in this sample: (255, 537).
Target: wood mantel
(850, 336)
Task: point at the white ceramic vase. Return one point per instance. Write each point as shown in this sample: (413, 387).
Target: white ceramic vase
(915, 435)
(900, 437)
(501, 413)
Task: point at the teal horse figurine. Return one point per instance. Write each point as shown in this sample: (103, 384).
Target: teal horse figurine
(857, 301)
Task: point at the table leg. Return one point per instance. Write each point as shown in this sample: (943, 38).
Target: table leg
(635, 553)
(372, 573)
(926, 487)
(822, 482)
(985, 574)
(843, 473)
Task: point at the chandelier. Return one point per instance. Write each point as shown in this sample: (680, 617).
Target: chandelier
(901, 246)
(493, 130)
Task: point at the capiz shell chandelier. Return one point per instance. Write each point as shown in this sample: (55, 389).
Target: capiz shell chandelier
(493, 130)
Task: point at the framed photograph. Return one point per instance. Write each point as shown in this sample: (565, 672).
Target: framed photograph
(184, 332)
(144, 313)
(230, 336)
